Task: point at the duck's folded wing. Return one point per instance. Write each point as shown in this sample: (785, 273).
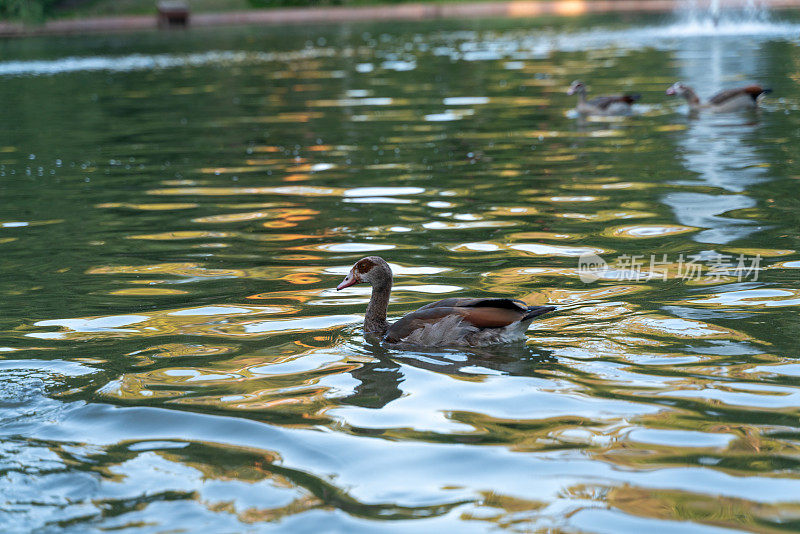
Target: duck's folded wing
(752, 91)
(477, 313)
(511, 304)
(603, 102)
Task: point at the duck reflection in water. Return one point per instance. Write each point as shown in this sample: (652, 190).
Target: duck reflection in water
(380, 380)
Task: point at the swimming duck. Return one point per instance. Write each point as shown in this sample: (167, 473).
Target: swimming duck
(737, 99)
(602, 105)
(448, 322)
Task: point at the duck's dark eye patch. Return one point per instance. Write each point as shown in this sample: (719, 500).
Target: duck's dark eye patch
(364, 266)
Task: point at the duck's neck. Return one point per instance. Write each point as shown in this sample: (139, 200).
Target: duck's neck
(692, 98)
(582, 96)
(375, 318)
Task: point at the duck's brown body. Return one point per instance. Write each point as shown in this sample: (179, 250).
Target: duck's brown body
(739, 99)
(453, 321)
(465, 321)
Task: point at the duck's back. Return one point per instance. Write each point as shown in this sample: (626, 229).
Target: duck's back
(610, 105)
(465, 321)
(740, 98)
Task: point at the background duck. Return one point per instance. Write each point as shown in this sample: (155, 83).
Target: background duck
(737, 99)
(602, 105)
(448, 322)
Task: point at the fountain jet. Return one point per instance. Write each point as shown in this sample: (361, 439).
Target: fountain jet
(714, 14)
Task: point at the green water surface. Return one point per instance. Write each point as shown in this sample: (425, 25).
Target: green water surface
(176, 210)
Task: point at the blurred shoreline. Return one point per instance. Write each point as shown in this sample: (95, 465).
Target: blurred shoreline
(322, 15)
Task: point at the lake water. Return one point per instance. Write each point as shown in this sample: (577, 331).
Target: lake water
(177, 209)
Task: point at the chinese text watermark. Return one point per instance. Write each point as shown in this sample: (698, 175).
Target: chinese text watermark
(642, 268)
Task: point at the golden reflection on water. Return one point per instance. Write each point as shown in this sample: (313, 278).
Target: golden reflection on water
(147, 291)
(673, 505)
(187, 269)
(645, 231)
(231, 320)
(284, 214)
(151, 207)
(224, 191)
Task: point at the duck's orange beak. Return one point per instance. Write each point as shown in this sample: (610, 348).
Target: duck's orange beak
(348, 281)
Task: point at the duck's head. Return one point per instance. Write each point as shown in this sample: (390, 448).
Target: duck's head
(372, 270)
(677, 88)
(576, 87)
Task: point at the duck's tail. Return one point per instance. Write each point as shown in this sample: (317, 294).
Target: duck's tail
(535, 311)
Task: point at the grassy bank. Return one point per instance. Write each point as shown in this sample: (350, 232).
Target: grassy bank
(32, 10)
(110, 8)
